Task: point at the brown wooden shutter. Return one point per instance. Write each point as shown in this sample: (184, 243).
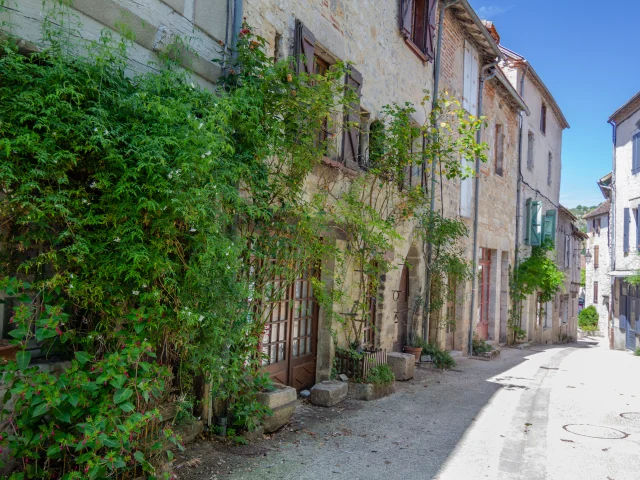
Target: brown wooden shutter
(596, 256)
(406, 18)
(351, 136)
(304, 49)
(431, 29)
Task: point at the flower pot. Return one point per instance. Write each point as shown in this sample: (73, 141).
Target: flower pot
(415, 351)
(8, 351)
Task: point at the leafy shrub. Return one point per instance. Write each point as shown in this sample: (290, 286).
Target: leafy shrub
(380, 375)
(440, 358)
(95, 420)
(588, 319)
(480, 346)
(637, 352)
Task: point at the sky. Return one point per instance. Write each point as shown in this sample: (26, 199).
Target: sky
(587, 52)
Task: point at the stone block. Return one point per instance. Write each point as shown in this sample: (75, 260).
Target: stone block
(282, 402)
(328, 394)
(403, 365)
(370, 391)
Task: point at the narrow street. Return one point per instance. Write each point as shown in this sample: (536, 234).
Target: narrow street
(557, 412)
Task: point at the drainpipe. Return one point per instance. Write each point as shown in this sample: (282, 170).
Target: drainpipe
(432, 206)
(237, 22)
(474, 280)
(612, 235)
(518, 193)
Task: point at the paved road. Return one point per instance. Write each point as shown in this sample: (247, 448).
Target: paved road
(545, 413)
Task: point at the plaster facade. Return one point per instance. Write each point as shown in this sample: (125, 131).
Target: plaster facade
(597, 269)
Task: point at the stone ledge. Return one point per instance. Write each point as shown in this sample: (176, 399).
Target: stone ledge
(403, 365)
(370, 391)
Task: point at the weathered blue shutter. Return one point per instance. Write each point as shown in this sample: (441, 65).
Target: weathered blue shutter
(535, 235)
(638, 229)
(550, 226)
(623, 312)
(626, 231)
(635, 163)
(527, 225)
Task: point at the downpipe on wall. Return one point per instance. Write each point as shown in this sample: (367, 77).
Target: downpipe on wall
(491, 67)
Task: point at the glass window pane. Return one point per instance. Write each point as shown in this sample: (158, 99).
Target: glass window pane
(281, 352)
(272, 356)
(296, 326)
(295, 348)
(303, 327)
(308, 344)
(297, 305)
(298, 291)
(283, 335)
(304, 289)
(309, 325)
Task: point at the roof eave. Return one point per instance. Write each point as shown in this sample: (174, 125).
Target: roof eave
(613, 118)
(500, 76)
(490, 42)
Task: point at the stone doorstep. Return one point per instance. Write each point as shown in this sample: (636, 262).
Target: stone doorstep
(329, 393)
(403, 365)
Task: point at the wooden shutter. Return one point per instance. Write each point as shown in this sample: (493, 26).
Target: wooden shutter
(406, 18)
(351, 136)
(499, 153)
(638, 229)
(535, 235)
(431, 29)
(550, 220)
(635, 162)
(527, 225)
(466, 193)
(626, 231)
(304, 49)
(595, 292)
(596, 256)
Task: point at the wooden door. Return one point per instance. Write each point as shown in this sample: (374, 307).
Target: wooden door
(290, 336)
(484, 284)
(402, 311)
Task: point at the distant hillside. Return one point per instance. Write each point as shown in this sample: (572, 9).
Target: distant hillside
(579, 211)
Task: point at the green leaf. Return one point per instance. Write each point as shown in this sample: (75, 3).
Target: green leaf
(122, 395)
(139, 456)
(40, 409)
(90, 387)
(44, 333)
(23, 358)
(169, 455)
(127, 407)
(82, 357)
(63, 416)
(53, 450)
(73, 399)
(118, 381)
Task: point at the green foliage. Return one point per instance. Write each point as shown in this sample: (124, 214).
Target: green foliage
(583, 277)
(536, 274)
(637, 352)
(480, 346)
(588, 319)
(440, 358)
(380, 375)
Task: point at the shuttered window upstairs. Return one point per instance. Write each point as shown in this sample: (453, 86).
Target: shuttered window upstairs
(533, 232)
(635, 162)
(304, 49)
(550, 224)
(351, 136)
(596, 256)
(499, 150)
(418, 26)
(471, 76)
(625, 239)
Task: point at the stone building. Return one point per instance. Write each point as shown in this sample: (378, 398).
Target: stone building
(539, 184)
(598, 261)
(624, 229)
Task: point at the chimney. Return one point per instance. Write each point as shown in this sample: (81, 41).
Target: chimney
(492, 30)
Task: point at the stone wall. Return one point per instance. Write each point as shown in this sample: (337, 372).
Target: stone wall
(600, 274)
(203, 25)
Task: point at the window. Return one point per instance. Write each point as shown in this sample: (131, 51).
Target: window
(418, 26)
(596, 256)
(550, 223)
(543, 119)
(605, 301)
(549, 168)
(595, 292)
(499, 150)
(533, 227)
(471, 76)
(567, 251)
(635, 162)
(530, 142)
(596, 226)
(352, 120)
(376, 143)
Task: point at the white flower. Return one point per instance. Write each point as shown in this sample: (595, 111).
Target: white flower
(93, 185)
(228, 267)
(106, 132)
(136, 292)
(71, 285)
(84, 200)
(192, 230)
(227, 254)
(200, 126)
(208, 153)
(202, 156)
(170, 176)
(144, 285)
(201, 318)
(95, 129)
(117, 239)
(71, 275)
(192, 85)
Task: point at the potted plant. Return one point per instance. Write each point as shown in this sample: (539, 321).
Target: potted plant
(414, 341)
(7, 350)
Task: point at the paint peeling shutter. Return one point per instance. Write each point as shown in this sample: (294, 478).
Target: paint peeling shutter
(466, 93)
(475, 77)
(550, 220)
(304, 49)
(626, 231)
(351, 136)
(535, 227)
(406, 18)
(431, 29)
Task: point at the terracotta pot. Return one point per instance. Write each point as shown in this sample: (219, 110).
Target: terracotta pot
(8, 351)
(416, 351)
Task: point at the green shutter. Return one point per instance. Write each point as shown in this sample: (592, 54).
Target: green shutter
(550, 220)
(535, 227)
(527, 225)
